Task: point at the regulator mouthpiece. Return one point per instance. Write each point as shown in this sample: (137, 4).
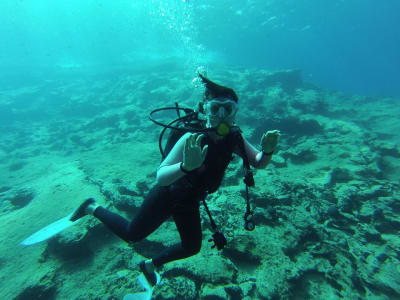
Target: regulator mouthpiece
(223, 129)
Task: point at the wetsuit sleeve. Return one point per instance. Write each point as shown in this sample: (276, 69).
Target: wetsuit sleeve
(169, 170)
(255, 157)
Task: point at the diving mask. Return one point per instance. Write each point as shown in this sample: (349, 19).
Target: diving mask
(221, 115)
(221, 108)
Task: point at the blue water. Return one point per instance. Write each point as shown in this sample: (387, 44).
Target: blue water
(352, 46)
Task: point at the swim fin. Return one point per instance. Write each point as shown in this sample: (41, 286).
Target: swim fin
(148, 293)
(49, 231)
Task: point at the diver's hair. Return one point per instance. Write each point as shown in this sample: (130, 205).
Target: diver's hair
(214, 90)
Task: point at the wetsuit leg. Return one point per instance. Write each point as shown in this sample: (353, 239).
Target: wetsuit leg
(155, 210)
(188, 224)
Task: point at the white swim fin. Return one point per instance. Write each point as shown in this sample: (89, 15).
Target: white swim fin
(49, 231)
(148, 293)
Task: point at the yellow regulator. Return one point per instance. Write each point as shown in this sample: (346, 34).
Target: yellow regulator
(223, 129)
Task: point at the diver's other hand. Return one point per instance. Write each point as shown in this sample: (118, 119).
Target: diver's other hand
(193, 155)
(269, 141)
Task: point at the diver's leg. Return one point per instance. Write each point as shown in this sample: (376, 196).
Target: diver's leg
(188, 224)
(155, 209)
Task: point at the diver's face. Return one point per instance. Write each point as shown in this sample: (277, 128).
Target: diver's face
(220, 111)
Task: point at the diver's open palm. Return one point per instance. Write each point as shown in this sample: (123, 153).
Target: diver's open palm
(269, 141)
(193, 155)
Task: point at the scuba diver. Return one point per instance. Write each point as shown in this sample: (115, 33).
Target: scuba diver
(193, 168)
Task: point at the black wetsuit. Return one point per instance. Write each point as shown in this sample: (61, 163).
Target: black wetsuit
(180, 200)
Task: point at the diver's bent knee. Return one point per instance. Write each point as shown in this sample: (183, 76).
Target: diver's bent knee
(134, 239)
(193, 249)
(196, 251)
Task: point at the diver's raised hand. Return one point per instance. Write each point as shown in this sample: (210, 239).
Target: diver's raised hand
(193, 155)
(269, 141)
